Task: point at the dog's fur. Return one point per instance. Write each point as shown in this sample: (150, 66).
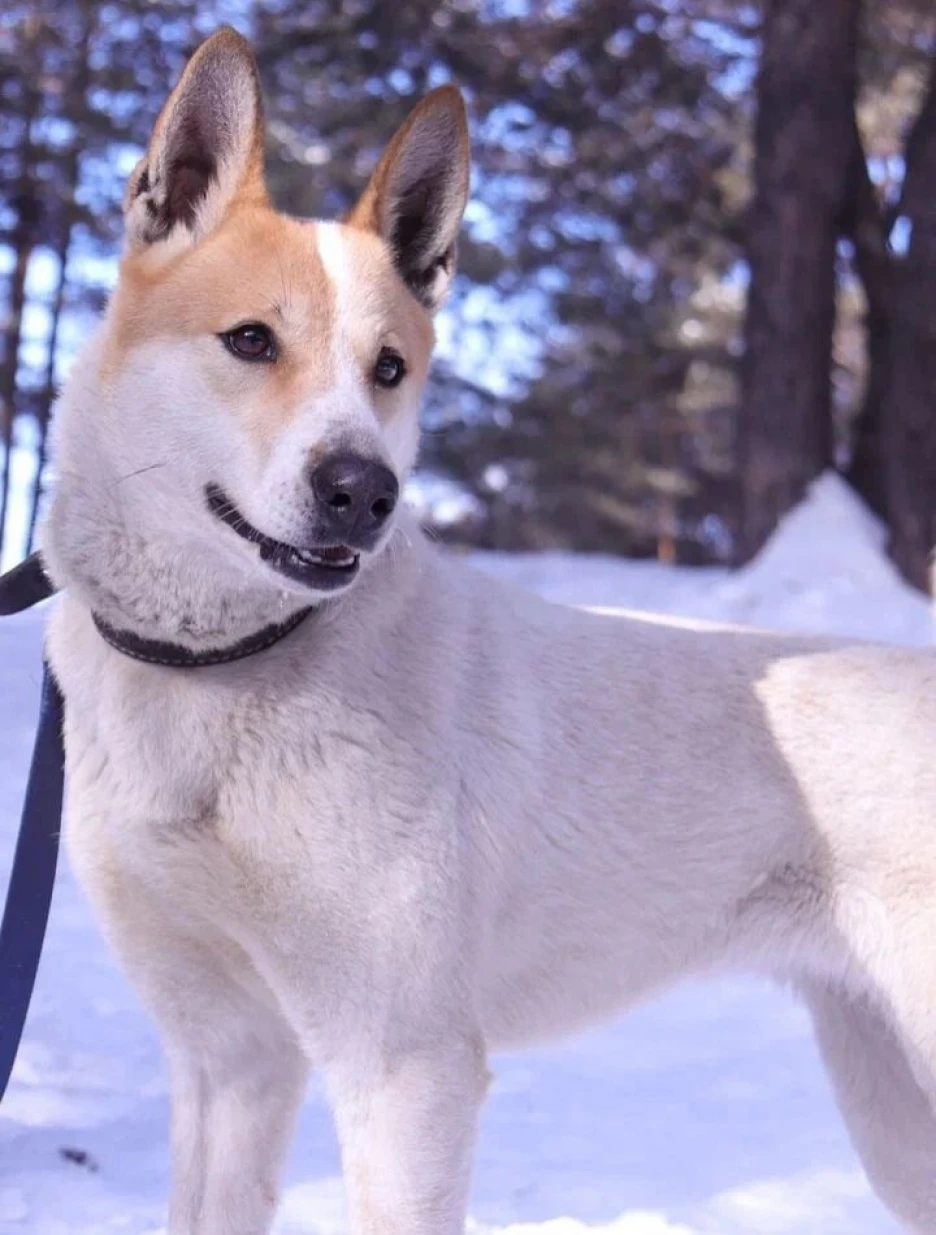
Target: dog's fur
(442, 816)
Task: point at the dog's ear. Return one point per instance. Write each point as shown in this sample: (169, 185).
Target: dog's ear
(416, 197)
(206, 148)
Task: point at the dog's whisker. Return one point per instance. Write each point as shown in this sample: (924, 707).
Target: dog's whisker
(140, 471)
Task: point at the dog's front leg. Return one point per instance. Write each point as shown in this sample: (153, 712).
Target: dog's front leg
(237, 1070)
(407, 1127)
(232, 1114)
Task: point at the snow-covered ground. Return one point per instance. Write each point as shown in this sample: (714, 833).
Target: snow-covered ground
(706, 1112)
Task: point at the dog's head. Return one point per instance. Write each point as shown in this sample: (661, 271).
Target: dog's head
(252, 398)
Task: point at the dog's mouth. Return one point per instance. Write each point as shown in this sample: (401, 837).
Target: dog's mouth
(322, 567)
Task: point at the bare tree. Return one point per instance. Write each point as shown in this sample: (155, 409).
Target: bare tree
(23, 240)
(76, 104)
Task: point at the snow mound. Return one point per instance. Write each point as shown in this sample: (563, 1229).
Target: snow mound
(824, 571)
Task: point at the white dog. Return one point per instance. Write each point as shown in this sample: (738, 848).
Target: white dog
(439, 816)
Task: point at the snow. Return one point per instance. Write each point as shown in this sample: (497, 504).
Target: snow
(823, 572)
(705, 1113)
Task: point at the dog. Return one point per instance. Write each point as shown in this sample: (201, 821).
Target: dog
(436, 816)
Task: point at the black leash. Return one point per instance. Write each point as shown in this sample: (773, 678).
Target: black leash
(24, 586)
(32, 875)
(29, 894)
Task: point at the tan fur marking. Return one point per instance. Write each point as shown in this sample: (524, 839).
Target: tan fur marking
(258, 266)
(261, 266)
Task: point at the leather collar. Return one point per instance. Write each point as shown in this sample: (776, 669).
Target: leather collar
(174, 655)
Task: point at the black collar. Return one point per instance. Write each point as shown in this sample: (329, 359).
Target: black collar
(174, 655)
(27, 584)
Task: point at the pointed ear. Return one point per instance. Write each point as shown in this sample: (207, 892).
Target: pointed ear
(206, 148)
(417, 195)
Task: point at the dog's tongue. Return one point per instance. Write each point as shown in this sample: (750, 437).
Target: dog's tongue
(337, 553)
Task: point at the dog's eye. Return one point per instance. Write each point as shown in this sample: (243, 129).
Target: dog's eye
(390, 369)
(253, 341)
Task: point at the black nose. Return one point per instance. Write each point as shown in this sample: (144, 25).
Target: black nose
(355, 496)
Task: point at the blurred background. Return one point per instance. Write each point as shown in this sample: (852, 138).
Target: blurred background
(698, 269)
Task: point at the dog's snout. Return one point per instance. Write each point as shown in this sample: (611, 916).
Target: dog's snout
(357, 495)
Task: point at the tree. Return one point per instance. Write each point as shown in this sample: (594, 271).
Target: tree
(907, 413)
(803, 140)
(26, 203)
(894, 463)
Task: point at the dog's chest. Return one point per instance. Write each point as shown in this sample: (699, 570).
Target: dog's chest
(155, 753)
(206, 806)
(163, 763)
(178, 771)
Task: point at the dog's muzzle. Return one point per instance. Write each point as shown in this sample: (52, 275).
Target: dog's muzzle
(353, 499)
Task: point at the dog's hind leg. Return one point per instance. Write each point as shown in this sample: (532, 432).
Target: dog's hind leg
(889, 1114)
(407, 1126)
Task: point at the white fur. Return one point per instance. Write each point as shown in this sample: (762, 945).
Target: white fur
(444, 817)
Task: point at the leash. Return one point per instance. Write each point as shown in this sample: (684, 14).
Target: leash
(32, 876)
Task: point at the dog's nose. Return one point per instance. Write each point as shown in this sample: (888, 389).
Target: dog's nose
(357, 495)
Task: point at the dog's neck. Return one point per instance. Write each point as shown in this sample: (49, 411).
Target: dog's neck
(160, 589)
(172, 590)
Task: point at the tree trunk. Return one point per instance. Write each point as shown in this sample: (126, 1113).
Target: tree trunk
(25, 230)
(78, 109)
(908, 386)
(806, 92)
(48, 393)
(865, 225)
